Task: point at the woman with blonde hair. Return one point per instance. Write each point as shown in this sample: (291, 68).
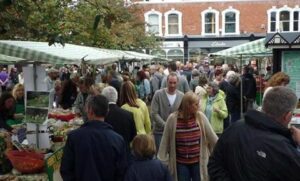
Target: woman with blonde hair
(130, 102)
(187, 141)
(18, 93)
(145, 167)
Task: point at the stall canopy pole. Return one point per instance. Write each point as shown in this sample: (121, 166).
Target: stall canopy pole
(241, 62)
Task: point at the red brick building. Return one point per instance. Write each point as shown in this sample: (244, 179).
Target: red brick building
(190, 29)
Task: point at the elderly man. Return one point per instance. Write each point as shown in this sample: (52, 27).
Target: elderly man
(53, 75)
(121, 120)
(260, 147)
(94, 151)
(164, 102)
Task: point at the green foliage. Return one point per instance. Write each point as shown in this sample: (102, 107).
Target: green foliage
(101, 23)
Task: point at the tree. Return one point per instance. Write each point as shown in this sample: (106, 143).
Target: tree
(101, 23)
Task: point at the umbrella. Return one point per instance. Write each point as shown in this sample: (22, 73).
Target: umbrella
(55, 54)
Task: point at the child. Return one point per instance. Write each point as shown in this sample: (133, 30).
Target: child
(145, 167)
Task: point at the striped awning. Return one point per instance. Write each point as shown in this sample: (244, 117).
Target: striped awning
(55, 54)
(253, 48)
(6, 60)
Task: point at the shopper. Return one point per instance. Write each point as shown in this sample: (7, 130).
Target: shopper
(187, 141)
(146, 167)
(261, 147)
(94, 151)
(131, 103)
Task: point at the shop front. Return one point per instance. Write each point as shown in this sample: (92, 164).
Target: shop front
(196, 48)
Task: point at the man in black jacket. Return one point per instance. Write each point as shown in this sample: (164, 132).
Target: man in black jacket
(121, 120)
(260, 147)
(94, 151)
(249, 87)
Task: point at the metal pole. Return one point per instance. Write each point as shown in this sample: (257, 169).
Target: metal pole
(241, 92)
(35, 89)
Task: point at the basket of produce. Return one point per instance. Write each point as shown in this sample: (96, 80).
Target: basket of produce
(26, 162)
(59, 114)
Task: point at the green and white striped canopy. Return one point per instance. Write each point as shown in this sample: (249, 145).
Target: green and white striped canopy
(6, 60)
(55, 54)
(253, 48)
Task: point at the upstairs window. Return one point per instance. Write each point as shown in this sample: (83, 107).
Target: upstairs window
(173, 22)
(173, 25)
(210, 22)
(231, 21)
(296, 20)
(284, 21)
(273, 22)
(153, 23)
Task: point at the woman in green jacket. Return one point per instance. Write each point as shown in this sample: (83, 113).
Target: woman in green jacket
(214, 107)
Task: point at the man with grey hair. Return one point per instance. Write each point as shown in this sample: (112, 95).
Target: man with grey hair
(121, 120)
(261, 146)
(156, 78)
(164, 102)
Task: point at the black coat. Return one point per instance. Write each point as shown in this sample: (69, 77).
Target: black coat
(255, 149)
(94, 152)
(4, 116)
(249, 86)
(123, 123)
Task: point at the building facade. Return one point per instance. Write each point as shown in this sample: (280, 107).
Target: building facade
(191, 29)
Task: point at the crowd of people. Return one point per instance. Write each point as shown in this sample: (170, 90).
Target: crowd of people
(167, 123)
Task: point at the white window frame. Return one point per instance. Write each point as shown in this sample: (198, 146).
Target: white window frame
(147, 14)
(173, 11)
(278, 11)
(203, 13)
(269, 12)
(296, 9)
(237, 20)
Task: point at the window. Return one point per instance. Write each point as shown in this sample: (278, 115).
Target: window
(284, 21)
(175, 54)
(296, 20)
(231, 21)
(210, 22)
(159, 53)
(173, 20)
(273, 21)
(153, 21)
(173, 24)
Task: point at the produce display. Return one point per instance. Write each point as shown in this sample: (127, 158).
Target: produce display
(61, 114)
(26, 162)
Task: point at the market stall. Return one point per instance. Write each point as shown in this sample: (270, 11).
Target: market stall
(244, 54)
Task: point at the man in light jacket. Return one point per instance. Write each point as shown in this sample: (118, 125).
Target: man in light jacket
(165, 101)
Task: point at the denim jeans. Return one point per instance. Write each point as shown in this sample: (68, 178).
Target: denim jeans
(157, 139)
(188, 172)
